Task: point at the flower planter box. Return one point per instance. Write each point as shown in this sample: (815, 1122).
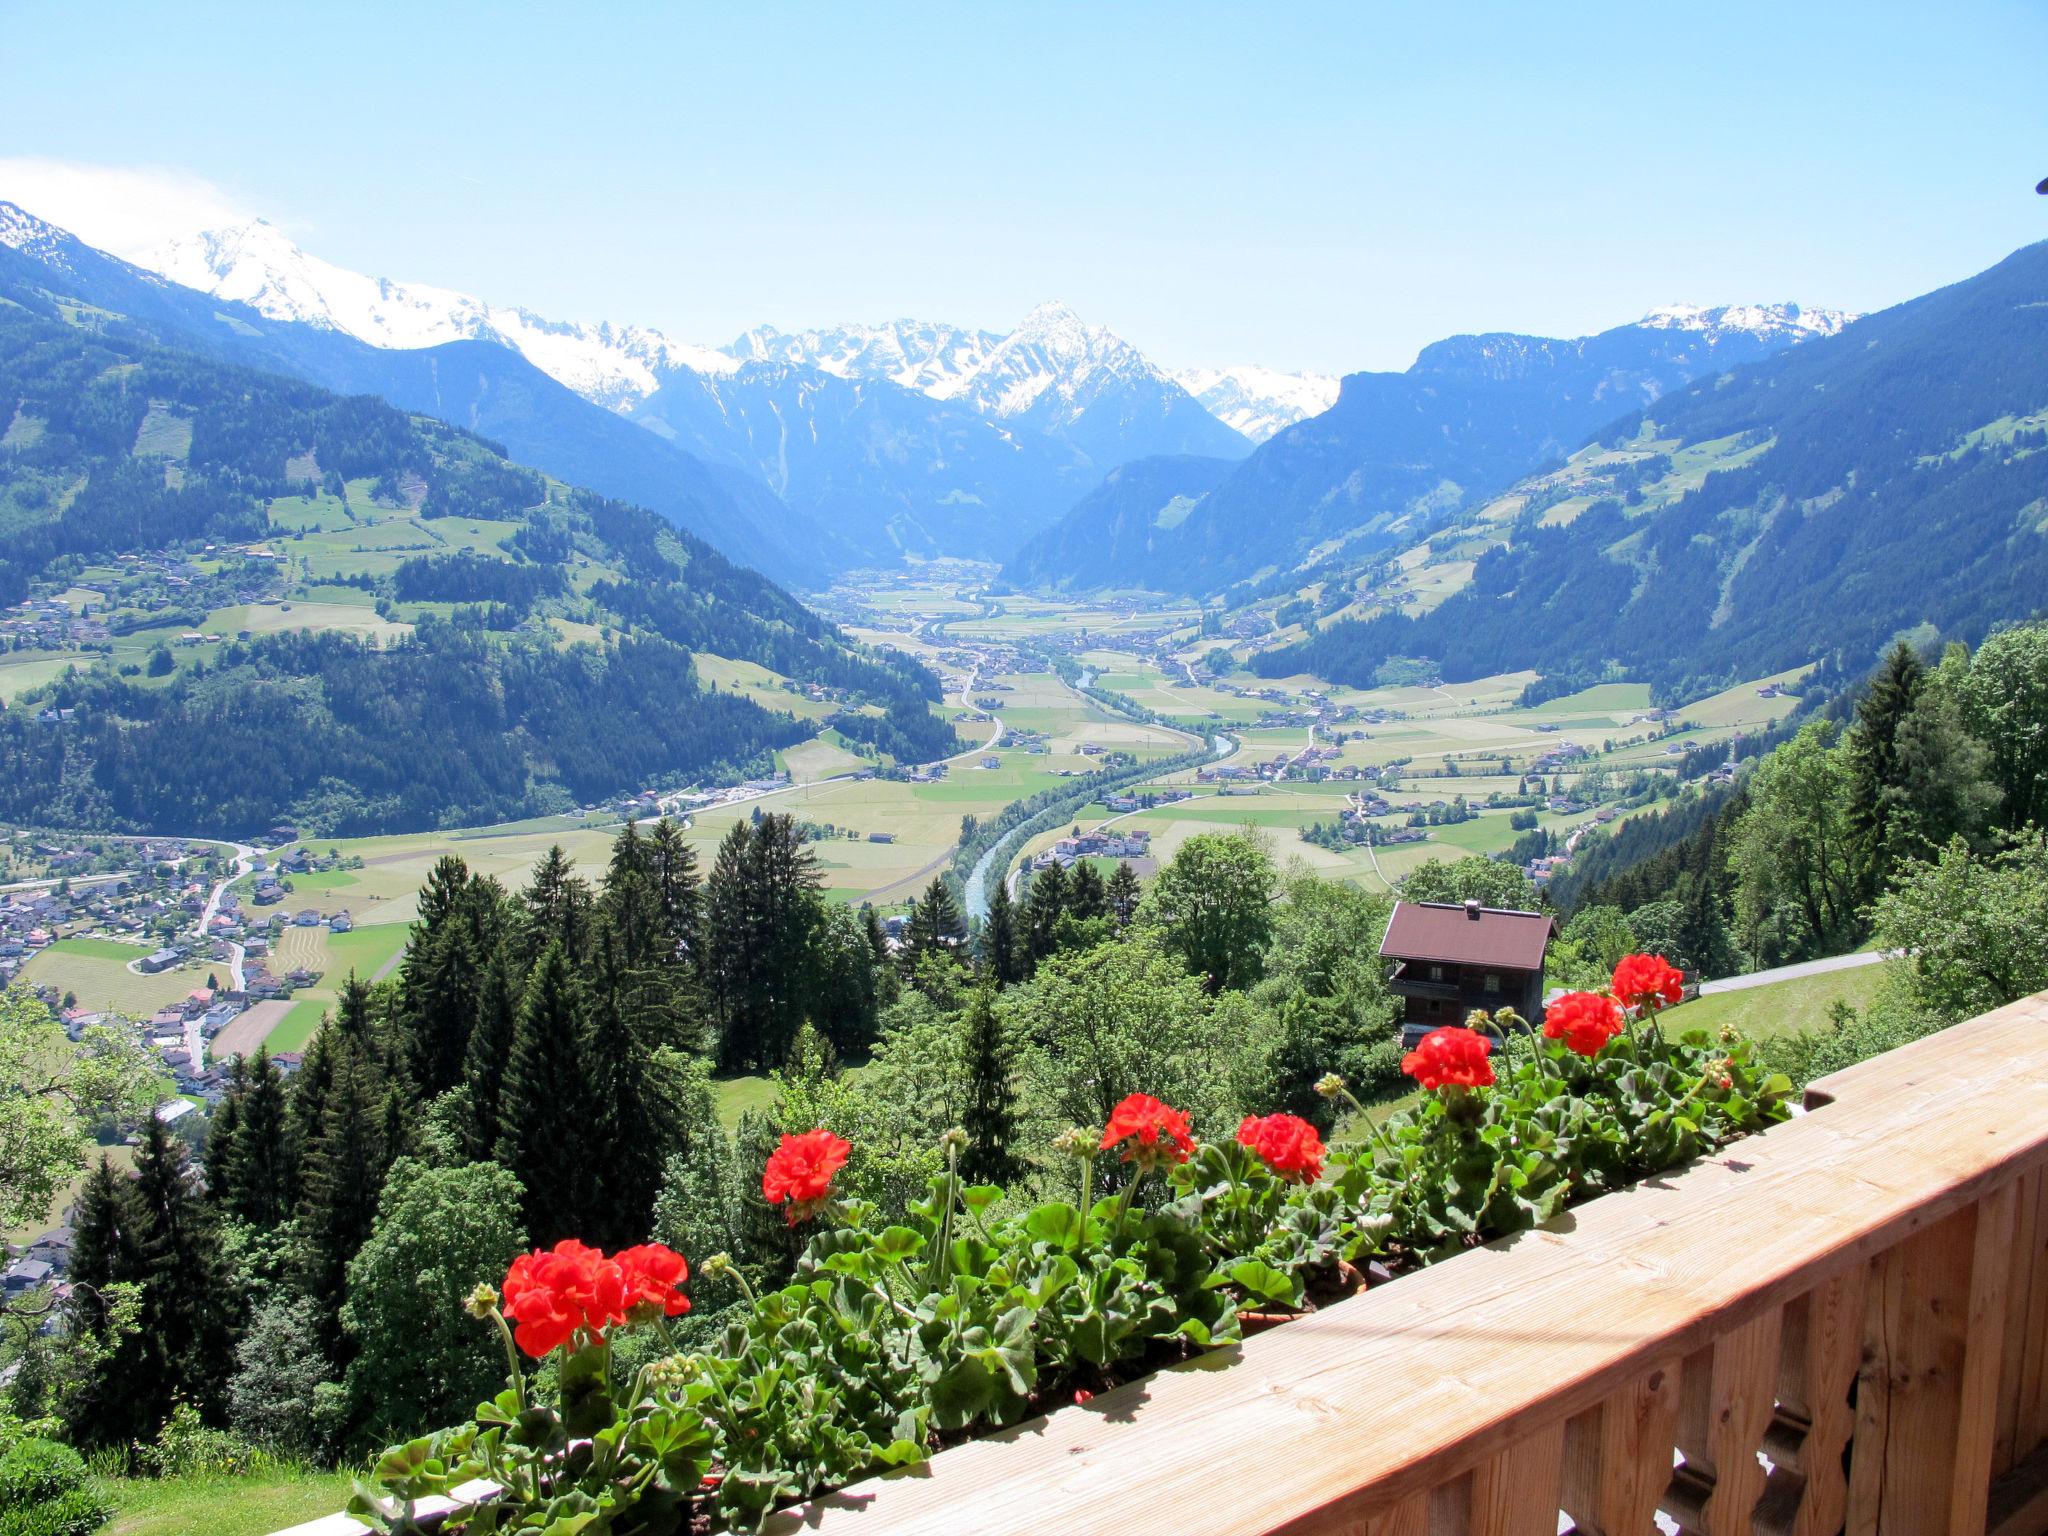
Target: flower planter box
(1858, 1296)
(1870, 1279)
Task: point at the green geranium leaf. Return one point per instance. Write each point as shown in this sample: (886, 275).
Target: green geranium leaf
(1265, 1282)
(1058, 1224)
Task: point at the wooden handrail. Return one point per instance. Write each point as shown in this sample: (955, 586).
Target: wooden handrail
(1868, 1277)
(1839, 1325)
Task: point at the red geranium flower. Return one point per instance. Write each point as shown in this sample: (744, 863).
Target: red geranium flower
(1648, 981)
(800, 1172)
(1287, 1144)
(1585, 1021)
(653, 1277)
(551, 1294)
(1451, 1057)
(1154, 1130)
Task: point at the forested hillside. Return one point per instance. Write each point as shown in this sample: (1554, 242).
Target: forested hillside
(1108, 537)
(549, 665)
(1883, 480)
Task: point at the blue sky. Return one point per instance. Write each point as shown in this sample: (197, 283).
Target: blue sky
(1306, 186)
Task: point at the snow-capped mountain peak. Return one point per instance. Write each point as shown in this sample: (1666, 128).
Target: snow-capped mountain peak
(259, 265)
(915, 354)
(22, 231)
(1259, 402)
(1792, 320)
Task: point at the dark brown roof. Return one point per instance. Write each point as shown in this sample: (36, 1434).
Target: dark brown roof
(1444, 931)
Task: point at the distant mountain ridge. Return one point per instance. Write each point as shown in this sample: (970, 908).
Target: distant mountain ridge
(913, 437)
(482, 386)
(1259, 401)
(1889, 478)
(1398, 451)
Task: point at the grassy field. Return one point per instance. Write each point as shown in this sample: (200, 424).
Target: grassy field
(737, 1095)
(365, 951)
(97, 970)
(1783, 1007)
(221, 1506)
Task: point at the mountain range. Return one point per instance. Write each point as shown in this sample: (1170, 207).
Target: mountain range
(1888, 478)
(811, 453)
(1398, 451)
(907, 438)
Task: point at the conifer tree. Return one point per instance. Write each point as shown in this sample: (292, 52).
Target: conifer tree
(248, 1175)
(1044, 903)
(1120, 897)
(105, 1252)
(991, 1116)
(630, 910)
(342, 1176)
(1086, 898)
(673, 864)
(934, 926)
(557, 905)
(999, 946)
(878, 941)
(187, 1300)
(543, 1103)
(1873, 751)
(490, 1048)
(763, 914)
(463, 921)
(622, 1131)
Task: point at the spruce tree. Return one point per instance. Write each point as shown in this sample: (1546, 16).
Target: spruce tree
(622, 1132)
(557, 906)
(543, 1103)
(248, 1176)
(1874, 760)
(1120, 897)
(490, 1048)
(99, 1408)
(934, 926)
(188, 1298)
(223, 1126)
(991, 1114)
(999, 957)
(673, 864)
(1044, 903)
(630, 910)
(342, 1176)
(1086, 898)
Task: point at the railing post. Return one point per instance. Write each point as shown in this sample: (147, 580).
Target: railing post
(1807, 1493)
(1927, 1398)
(1617, 1456)
(1725, 1405)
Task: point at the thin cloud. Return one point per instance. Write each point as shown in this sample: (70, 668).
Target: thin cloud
(129, 210)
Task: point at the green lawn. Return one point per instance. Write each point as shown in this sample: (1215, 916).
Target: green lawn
(737, 1095)
(296, 1027)
(1783, 1007)
(221, 1506)
(97, 970)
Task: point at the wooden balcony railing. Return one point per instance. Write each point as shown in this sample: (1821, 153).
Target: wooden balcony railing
(1840, 1325)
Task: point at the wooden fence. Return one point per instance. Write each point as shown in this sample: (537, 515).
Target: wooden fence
(1841, 1325)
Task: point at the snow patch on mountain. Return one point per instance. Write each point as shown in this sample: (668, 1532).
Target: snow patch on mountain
(1795, 320)
(22, 231)
(258, 265)
(1259, 402)
(916, 354)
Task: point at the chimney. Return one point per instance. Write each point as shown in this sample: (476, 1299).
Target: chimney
(1472, 910)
